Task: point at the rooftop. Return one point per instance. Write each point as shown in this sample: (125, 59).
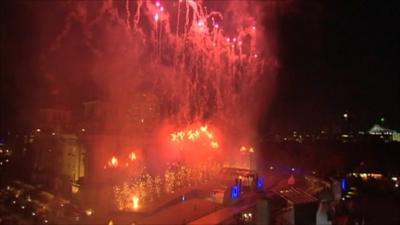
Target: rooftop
(296, 196)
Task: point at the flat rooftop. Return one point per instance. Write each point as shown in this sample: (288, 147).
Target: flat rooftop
(296, 196)
(181, 213)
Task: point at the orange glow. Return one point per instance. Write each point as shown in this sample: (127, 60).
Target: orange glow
(132, 156)
(113, 162)
(214, 145)
(135, 202)
(246, 149)
(203, 135)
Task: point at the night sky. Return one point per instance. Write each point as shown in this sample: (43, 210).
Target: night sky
(334, 57)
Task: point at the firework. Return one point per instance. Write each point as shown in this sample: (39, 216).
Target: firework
(200, 66)
(146, 188)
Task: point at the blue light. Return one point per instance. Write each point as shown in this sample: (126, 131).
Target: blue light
(260, 183)
(344, 184)
(235, 192)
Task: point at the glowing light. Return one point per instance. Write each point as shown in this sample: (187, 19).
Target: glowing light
(343, 184)
(38, 130)
(162, 9)
(83, 129)
(201, 135)
(260, 183)
(394, 179)
(149, 188)
(251, 150)
(74, 189)
(376, 175)
(164, 38)
(135, 202)
(253, 27)
(200, 23)
(132, 156)
(113, 162)
(235, 192)
(243, 149)
(53, 133)
(89, 212)
(247, 217)
(214, 144)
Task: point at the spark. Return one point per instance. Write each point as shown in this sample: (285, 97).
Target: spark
(113, 162)
(132, 156)
(201, 135)
(214, 145)
(135, 202)
(200, 23)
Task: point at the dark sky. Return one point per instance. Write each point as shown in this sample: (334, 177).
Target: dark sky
(335, 57)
